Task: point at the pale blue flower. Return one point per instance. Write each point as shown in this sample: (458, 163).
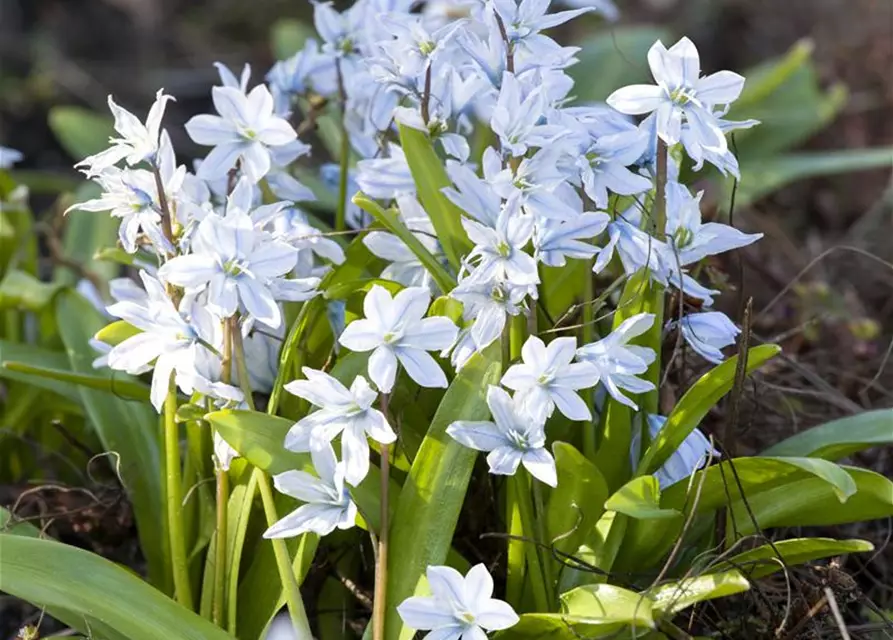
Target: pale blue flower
(708, 333)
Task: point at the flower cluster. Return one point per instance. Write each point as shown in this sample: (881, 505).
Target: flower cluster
(224, 245)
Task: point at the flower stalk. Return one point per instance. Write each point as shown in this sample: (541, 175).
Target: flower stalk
(174, 488)
(379, 610)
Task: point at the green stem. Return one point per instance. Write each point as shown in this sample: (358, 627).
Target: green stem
(174, 498)
(542, 540)
(588, 321)
(517, 335)
(528, 529)
(283, 562)
(219, 600)
(379, 602)
(280, 549)
(516, 567)
(341, 211)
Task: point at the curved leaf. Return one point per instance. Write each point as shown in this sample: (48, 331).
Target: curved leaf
(124, 387)
(577, 502)
(127, 428)
(763, 561)
(36, 357)
(430, 177)
(260, 439)
(640, 498)
(755, 474)
(51, 574)
(839, 438)
(694, 405)
(428, 507)
(813, 502)
(392, 223)
(675, 596)
(605, 603)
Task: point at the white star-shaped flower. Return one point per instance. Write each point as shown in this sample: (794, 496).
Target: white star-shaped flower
(345, 411)
(395, 329)
(459, 607)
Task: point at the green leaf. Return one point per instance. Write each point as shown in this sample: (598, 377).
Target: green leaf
(81, 132)
(764, 560)
(763, 176)
(260, 439)
(21, 290)
(675, 596)
(577, 502)
(9, 525)
(598, 604)
(122, 386)
(813, 501)
(429, 504)
(755, 474)
(54, 575)
(618, 54)
(640, 498)
(36, 357)
(288, 37)
(640, 295)
(694, 405)
(392, 223)
(130, 429)
(430, 177)
(85, 233)
(839, 438)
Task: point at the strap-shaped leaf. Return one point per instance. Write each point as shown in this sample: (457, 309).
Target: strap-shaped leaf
(90, 588)
(388, 218)
(764, 560)
(677, 595)
(839, 438)
(429, 504)
(124, 387)
(430, 177)
(697, 401)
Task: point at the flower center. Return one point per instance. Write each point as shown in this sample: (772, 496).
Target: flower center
(234, 267)
(504, 249)
(681, 96)
(498, 295)
(392, 337)
(519, 440)
(683, 237)
(427, 47)
(465, 616)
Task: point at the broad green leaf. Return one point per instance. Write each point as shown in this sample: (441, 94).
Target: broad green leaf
(85, 233)
(557, 626)
(640, 498)
(608, 604)
(81, 132)
(429, 504)
(839, 438)
(344, 290)
(576, 503)
(9, 525)
(619, 56)
(675, 596)
(813, 502)
(755, 474)
(767, 77)
(430, 177)
(260, 439)
(36, 357)
(694, 405)
(640, 295)
(54, 575)
(762, 177)
(128, 428)
(392, 223)
(121, 386)
(764, 560)
(600, 551)
(21, 290)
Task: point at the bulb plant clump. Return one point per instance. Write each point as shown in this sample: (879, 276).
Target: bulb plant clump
(488, 266)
